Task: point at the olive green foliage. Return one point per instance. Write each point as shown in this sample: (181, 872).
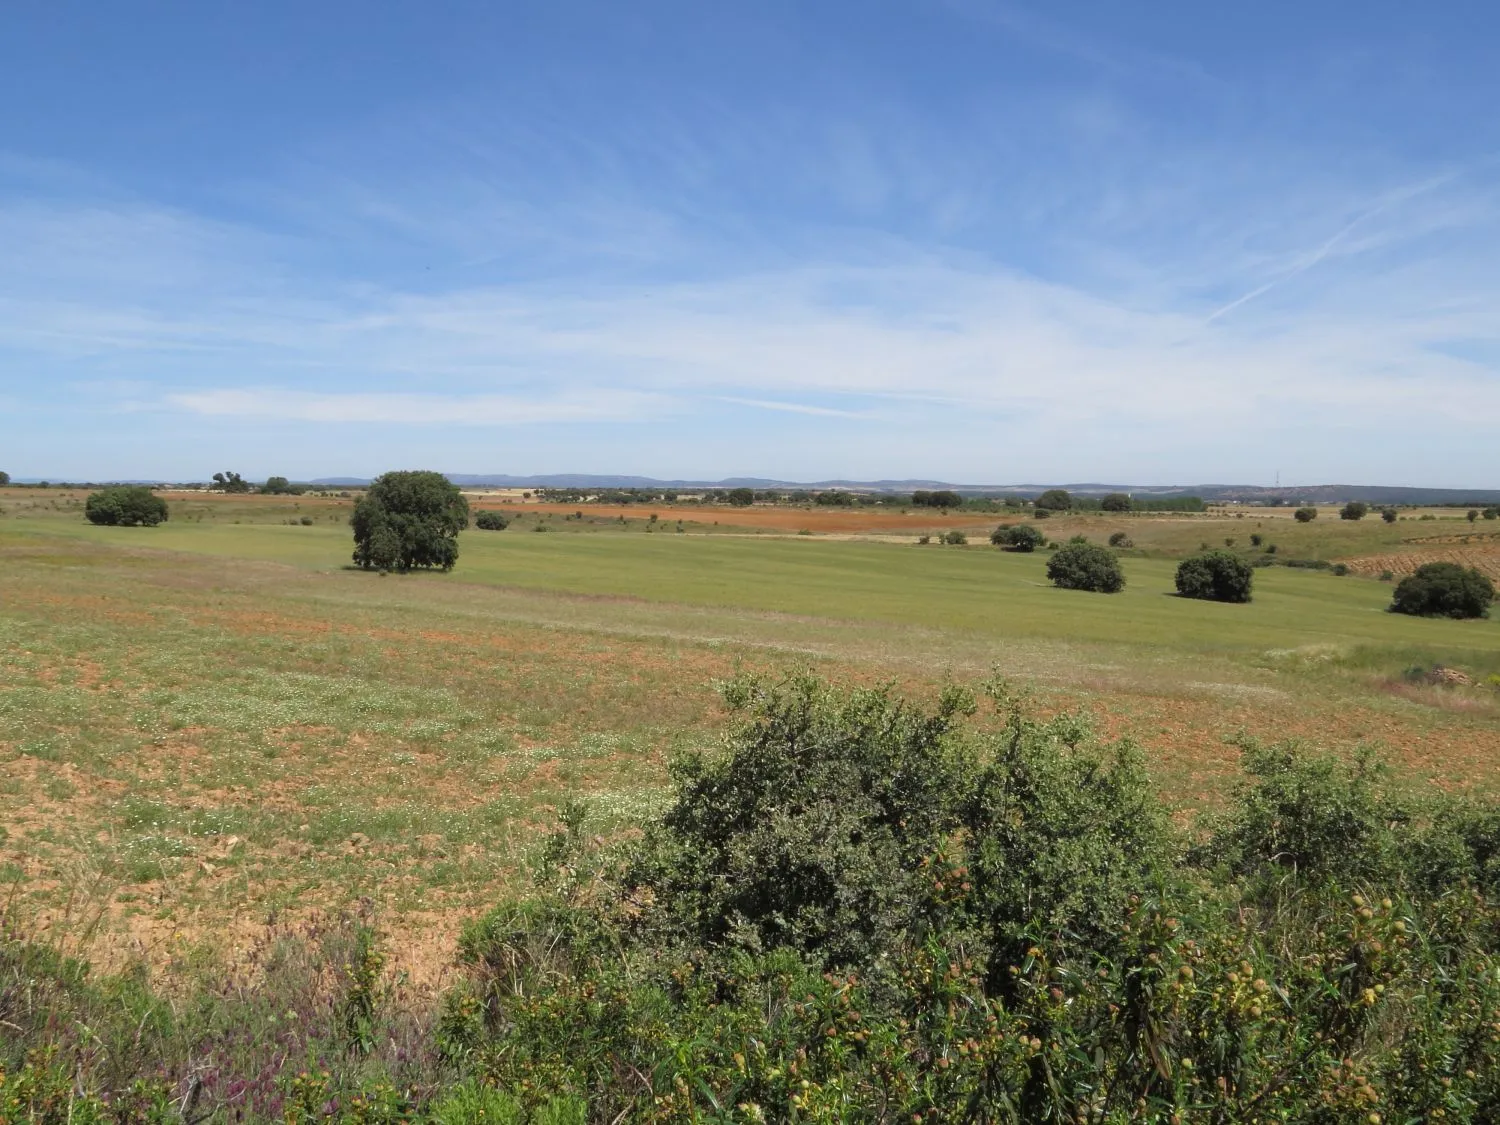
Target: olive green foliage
(409, 519)
(860, 910)
(1354, 510)
(490, 520)
(230, 482)
(1390, 515)
(280, 486)
(1086, 566)
(1444, 589)
(943, 498)
(1055, 500)
(1215, 576)
(125, 505)
(955, 538)
(1023, 538)
(1121, 540)
(1491, 513)
(741, 497)
(1116, 502)
(1305, 514)
(4, 479)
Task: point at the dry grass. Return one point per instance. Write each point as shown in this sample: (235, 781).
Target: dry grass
(193, 746)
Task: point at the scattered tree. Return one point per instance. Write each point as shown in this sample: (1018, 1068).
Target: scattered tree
(1305, 514)
(741, 497)
(1215, 576)
(1390, 515)
(1116, 502)
(490, 520)
(4, 479)
(409, 519)
(1054, 500)
(1023, 539)
(1120, 539)
(125, 505)
(1444, 589)
(1086, 566)
(1354, 510)
(280, 486)
(1256, 540)
(1473, 514)
(1492, 513)
(943, 498)
(231, 482)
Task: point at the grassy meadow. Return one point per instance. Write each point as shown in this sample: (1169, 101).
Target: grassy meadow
(216, 722)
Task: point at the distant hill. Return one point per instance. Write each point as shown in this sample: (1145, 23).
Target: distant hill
(1213, 493)
(1219, 493)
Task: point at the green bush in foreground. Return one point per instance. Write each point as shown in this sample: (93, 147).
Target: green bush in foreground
(125, 505)
(409, 519)
(863, 909)
(1444, 589)
(1216, 576)
(1086, 566)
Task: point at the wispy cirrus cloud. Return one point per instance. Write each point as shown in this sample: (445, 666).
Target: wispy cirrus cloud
(351, 407)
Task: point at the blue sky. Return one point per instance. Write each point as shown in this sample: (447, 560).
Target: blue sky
(955, 239)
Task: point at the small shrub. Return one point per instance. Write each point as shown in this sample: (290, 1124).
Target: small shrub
(1270, 548)
(1085, 566)
(1215, 576)
(956, 538)
(923, 540)
(1041, 513)
(1390, 515)
(1444, 589)
(491, 521)
(1340, 569)
(1354, 510)
(125, 505)
(306, 521)
(1305, 514)
(1387, 576)
(1256, 539)
(1023, 539)
(1121, 540)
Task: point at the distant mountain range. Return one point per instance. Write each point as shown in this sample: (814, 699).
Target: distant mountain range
(1213, 493)
(1245, 493)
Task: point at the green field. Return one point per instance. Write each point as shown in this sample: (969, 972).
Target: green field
(212, 720)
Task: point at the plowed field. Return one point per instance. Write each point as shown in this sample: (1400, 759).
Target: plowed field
(1400, 563)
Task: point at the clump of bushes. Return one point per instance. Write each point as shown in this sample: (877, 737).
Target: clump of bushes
(1086, 566)
(490, 520)
(863, 908)
(1354, 510)
(125, 505)
(1121, 540)
(955, 538)
(1444, 589)
(1215, 576)
(1305, 514)
(1022, 538)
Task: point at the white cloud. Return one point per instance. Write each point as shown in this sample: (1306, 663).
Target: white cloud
(422, 409)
